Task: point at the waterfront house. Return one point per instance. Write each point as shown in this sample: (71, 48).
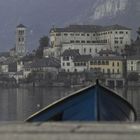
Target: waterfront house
(72, 61)
(133, 64)
(110, 66)
(49, 64)
(67, 57)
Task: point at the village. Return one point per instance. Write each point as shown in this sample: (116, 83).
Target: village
(75, 55)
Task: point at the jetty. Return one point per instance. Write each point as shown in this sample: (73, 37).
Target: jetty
(70, 131)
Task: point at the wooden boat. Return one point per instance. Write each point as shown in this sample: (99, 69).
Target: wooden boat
(94, 103)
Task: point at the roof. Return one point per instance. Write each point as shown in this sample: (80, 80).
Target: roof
(21, 26)
(44, 62)
(78, 28)
(108, 58)
(27, 58)
(89, 28)
(71, 52)
(135, 57)
(116, 27)
(107, 52)
(82, 58)
(9, 61)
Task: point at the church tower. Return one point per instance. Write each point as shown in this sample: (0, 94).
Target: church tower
(20, 40)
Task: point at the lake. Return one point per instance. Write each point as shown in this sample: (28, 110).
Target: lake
(18, 104)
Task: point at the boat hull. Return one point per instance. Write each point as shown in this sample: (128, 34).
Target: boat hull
(95, 103)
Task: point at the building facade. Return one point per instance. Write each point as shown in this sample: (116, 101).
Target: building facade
(133, 64)
(116, 36)
(109, 66)
(86, 49)
(72, 61)
(20, 40)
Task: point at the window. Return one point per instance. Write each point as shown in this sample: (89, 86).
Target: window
(72, 34)
(65, 34)
(58, 34)
(126, 32)
(77, 34)
(82, 34)
(121, 32)
(131, 62)
(103, 62)
(108, 71)
(75, 70)
(77, 41)
(107, 62)
(90, 50)
(116, 32)
(99, 62)
(116, 42)
(131, 68)
(118, 71)
(91, 62)
(83, 41)
(118, 64)
(63, 64)
(121, 42)
(72, 41)
(68, 64)
(84, 50)
(113, 64)
(88, 41)
(87, 34)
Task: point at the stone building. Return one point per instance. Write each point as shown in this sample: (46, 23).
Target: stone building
(20, 40)
(115, 36)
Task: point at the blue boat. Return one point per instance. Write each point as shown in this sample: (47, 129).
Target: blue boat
(94, 103)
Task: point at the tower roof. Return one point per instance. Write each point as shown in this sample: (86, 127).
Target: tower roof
(21, 26)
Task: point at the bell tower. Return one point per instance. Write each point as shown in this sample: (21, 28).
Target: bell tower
(20, 40)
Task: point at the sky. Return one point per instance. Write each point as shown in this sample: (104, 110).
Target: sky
(38, 15)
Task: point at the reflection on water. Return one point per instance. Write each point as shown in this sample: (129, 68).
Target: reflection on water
(18, 104)
(133, 96)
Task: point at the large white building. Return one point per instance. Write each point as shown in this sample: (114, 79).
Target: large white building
(116, 36)
(20, 40)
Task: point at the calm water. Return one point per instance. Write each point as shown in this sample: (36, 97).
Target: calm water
(18, 104)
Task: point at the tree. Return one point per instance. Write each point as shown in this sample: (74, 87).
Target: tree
(43, 42)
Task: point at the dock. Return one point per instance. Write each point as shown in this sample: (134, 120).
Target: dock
(69, 131)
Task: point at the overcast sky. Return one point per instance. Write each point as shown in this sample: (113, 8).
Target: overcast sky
(37, 15)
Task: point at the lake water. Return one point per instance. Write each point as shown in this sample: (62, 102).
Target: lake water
(18, 104)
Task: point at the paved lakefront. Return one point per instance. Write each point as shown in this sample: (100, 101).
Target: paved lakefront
(69, 131)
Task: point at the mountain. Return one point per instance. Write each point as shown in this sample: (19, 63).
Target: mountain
(106, 12)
